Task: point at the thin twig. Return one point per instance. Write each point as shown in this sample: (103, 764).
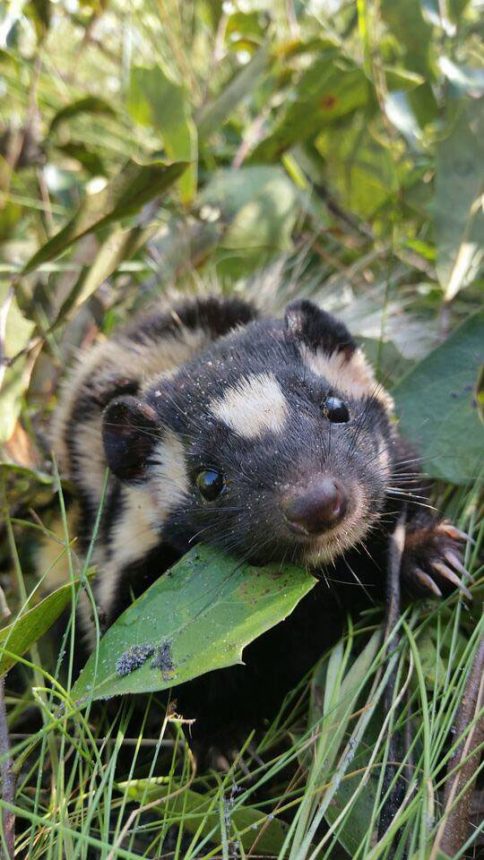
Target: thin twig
(4, 309)
(454, 829)
(7, 775)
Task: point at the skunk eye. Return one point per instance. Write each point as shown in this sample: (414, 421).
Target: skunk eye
(210, 484)
(336, 410)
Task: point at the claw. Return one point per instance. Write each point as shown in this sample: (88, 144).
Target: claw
(455, 561)
(452, 577)
(427, 581)
(454, 533)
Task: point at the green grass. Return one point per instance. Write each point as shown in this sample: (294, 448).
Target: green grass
(119, 780)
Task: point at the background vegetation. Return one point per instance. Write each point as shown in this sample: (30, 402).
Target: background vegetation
(329, 149)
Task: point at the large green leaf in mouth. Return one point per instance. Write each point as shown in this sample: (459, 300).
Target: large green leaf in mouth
(195, 618)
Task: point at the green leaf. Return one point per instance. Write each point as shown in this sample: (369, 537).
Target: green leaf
(353, 829)
(119, 246)
(10, 214)
(213, 115)
(362, 171)
(34, 475)
(21, 634)
(195, 618)
(458, 216)
(399, 111)
(89, 159)
(39, 11)
(401, 79)
(15, 332)
(433, 665)
(248, 825)
(437, 405)
(259, 206)
(156, 100)
(412, 32)
(341, 687)
(413, 35)
(466, 80)
(90, 104)
(328, 90)
(124, 195)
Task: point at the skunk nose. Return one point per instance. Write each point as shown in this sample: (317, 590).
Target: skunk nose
(318, 507)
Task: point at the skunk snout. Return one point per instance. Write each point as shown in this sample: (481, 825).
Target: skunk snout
(316, 508)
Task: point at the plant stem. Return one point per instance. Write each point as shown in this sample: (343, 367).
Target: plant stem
(454, 829)
(7, 776)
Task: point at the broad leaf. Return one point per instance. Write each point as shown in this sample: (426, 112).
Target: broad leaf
(248, 825)
(412, 33)
(213, 115)
(21, 634)
(459, 218)
(90, 104)
(155, 99)
(327, 91)
(119, 246)
(437, 405)
(89, 158)
(335, 689)
(259, 206)
(124, 195)
(14, 379)
(411, 30)
(362, 171)
(197, 617)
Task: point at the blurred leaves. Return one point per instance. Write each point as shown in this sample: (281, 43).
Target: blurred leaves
(331, 88)
(343, 148)
(124, 195)
(437, 405)
(15, 333)
(259, 205)
(212, 116)
(90, 104)
(154, 99)
(31, 624)
(459, 199)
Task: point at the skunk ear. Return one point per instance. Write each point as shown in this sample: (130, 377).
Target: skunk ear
(130, 431)
(316, 329)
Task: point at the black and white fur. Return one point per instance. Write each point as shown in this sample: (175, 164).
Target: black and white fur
(210, 387)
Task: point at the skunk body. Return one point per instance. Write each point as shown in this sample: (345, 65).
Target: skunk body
(267, 438)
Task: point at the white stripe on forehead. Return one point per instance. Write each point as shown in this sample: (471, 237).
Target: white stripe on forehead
(254, 406)
(352, 376)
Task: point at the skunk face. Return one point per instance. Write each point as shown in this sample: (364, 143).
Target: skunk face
(273, 444)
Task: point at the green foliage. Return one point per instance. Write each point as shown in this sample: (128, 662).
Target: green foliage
(150, 144)
(196, 618)
(19, 636)
(437, 404)
(132, 188)
(201, 815)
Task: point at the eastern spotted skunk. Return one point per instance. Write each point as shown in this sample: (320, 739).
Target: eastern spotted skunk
(268, 438)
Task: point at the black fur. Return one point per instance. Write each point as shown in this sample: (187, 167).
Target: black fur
(129, 429)
(317, 329)
(215, 315)
(364, 454)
